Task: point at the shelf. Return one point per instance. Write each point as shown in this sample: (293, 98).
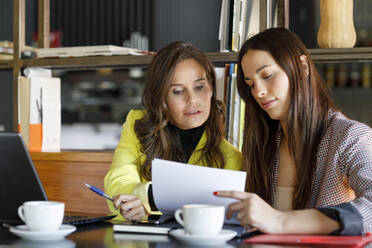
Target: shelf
(332, 55)
(112, 61)
(342, 55)
(6, 64)
(91, 61)
(329, 55)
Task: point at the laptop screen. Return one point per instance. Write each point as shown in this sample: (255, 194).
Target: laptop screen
(19, 181)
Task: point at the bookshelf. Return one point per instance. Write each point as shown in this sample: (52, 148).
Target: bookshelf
(342, 55)
(332, 55)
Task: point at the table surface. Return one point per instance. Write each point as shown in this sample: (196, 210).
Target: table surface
(101, 235)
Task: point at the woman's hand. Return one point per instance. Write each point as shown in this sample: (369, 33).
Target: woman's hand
(130, 207)
(253, 211)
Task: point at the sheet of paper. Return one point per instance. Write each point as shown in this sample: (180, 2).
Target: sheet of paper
(176, 184)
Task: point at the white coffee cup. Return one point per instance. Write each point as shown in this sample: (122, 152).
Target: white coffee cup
(201, 219)
(42, 215)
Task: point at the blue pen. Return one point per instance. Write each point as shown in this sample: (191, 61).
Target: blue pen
(98, 191)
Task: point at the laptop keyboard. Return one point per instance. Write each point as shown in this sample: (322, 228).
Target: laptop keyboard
(77, 220)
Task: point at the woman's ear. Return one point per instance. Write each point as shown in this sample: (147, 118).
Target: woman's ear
(305, 63)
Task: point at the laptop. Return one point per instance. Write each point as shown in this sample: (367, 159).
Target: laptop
(19, 182)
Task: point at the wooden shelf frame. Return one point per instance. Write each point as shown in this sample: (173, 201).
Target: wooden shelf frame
(112, 61)
(6, 64)
(331, 55)
(342, 55)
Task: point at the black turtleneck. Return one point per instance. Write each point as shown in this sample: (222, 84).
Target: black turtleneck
(189, 139)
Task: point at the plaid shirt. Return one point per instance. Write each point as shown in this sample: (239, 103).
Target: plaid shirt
(343, 171)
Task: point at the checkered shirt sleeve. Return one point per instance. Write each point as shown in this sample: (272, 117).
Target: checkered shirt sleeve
(343, 168)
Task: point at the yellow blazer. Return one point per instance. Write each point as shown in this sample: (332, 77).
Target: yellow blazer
(124, 176)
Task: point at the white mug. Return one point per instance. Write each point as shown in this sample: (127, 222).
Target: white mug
(42, 215)
(201, 219)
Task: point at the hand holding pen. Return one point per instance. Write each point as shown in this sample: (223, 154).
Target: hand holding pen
(101, 193)
(98, 191)
(129, 205)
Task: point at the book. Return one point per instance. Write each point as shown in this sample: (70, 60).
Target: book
(151, 232)
(220, 83)
(36, 115)
(236, 25)
(235, 119)
(310, 240)
(243, 22)
(78, 51)
(228, 96)
(6, 56)
(24, 109)
(241, 124)
(10, 44)
(39, 113)
(123, 238)
(7, 50)
(132, 227)
(224, 29)
(252, 19)
(232, 112)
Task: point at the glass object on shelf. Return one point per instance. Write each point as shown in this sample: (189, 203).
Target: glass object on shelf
(330, 76)
(355, 75)
(366, 76)
(95, 105)
(342, 75)
(349, 85)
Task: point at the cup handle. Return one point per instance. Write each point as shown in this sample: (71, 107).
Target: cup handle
(20, 213)
(177, 215)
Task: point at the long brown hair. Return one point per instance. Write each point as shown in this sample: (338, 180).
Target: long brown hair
(156, 138)
(309, 105)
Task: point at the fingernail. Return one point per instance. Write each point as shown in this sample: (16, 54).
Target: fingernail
(215, 193)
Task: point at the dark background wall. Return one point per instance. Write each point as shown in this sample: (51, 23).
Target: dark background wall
(195, 21)
(302, 21)
(6, 76)
(99, 22)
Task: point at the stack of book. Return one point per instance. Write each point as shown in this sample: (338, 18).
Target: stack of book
(239, 20)
(82, 51)
(227, 91)
(7, 50)
(39, 112)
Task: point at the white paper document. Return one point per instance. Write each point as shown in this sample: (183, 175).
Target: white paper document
(175, 184)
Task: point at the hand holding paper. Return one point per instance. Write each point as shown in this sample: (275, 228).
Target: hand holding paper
(176, 184)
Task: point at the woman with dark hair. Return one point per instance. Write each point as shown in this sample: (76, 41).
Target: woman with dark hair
(182, 121)
(309, 168)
